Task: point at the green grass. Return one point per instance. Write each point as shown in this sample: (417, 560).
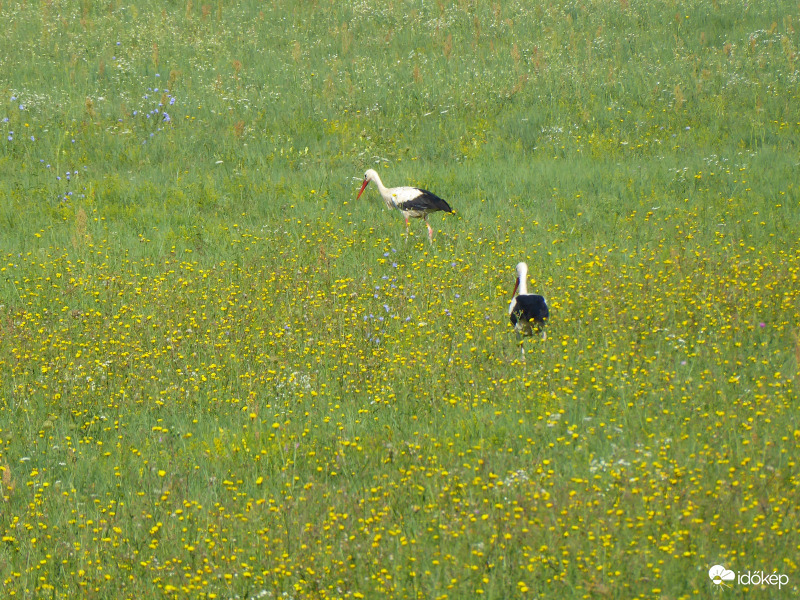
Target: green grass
(222, 376)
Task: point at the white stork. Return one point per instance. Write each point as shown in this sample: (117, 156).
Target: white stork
(527, 311)
(412, 202)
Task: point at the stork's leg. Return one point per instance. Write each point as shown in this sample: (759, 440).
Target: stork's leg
(407, 231)
(430, 231)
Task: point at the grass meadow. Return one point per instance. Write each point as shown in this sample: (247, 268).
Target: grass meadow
(221, 376)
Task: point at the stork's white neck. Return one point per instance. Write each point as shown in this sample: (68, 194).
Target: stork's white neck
(522, 289)
(522, 278)
(385, 192)
(382, 189)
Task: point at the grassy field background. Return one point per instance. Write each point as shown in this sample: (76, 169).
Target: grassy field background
(221, 376)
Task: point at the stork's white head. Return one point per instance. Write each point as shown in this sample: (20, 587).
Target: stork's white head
(522, 279)
(370, 175)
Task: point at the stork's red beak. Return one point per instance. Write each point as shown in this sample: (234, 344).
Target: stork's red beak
(516, 285)
(361, 191)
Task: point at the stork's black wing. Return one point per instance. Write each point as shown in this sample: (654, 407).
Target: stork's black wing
(426, 201)
(530, 307)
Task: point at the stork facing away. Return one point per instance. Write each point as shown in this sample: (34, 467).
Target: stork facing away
(528, 312)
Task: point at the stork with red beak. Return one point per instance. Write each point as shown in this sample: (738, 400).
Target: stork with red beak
(527, 311)
(414, 203)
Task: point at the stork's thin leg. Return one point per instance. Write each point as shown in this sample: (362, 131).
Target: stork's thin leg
(541, 331)
(407, 231)
(430, 231)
